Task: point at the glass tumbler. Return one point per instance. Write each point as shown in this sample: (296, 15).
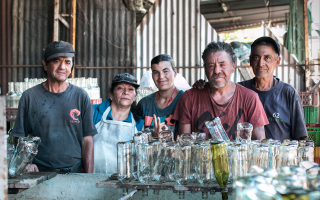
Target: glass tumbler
(138, 138)
(204, 164)
(169, 161)
(261, 157)
(165, 136)
(239, 160)
(220, 163)
(124, 160)
(244, 131)
(287, 155)
(145, 162)
(182, 164)
(216, 129)
(159, 165)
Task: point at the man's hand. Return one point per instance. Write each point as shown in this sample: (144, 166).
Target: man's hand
(158, 126)
(87, 154)
(258, 133)
(199, 84)
(31, 168)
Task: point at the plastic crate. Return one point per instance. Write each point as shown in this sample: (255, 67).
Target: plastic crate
(309, 98)
(315, 136)
(311, 114)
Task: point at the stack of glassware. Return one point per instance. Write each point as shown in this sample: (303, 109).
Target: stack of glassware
(90, 85)
(22, 155)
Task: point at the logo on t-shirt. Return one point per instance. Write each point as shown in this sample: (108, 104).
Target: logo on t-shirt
(73, 114)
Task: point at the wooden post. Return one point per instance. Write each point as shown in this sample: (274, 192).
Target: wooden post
(3, 150)
(73, 28)
(55, 33)
(306, 43)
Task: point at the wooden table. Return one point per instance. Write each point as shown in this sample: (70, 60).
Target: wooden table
(28, 180)
(136, 185)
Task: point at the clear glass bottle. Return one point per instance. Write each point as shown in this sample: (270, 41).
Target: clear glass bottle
(19, 91)
(11, 96)
(89, 87)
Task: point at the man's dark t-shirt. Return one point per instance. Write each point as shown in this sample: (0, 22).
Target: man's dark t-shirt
(283, 108)
(61, 120)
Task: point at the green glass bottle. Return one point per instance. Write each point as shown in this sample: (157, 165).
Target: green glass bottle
(220, 163)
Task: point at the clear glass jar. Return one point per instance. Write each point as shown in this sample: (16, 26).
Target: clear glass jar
(261, 157)
(11, 96)
(182, 164)
(216, 129)
(124, 161)
(145, 161)
(204, 164)
(244, 131)
(239, 160)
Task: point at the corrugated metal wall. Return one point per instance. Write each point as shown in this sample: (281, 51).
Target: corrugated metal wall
(177, 28)
(294, 75)
(100, 23)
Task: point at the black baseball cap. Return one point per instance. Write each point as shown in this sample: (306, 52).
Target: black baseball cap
(267, 39)
(58, 49)
(125, 77)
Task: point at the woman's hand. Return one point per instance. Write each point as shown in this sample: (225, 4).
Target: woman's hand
(158, 126)
(199, 84)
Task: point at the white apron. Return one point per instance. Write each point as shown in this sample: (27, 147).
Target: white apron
(105, 142)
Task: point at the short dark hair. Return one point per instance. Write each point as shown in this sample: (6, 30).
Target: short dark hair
(213, 47)
(163, 57)
(265, 43)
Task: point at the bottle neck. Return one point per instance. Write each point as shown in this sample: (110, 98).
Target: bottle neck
(11, 87)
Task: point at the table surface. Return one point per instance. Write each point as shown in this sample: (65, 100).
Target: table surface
(31, 179)
(206, 187)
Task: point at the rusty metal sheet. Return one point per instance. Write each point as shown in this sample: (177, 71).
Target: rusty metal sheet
(3, 150)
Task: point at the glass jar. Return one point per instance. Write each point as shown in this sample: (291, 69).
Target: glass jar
(182, 164)
(244, 131)
(145, 161)
(124, 162)
(287, 155)
(216, 129)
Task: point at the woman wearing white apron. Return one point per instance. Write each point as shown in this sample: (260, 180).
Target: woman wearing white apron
(115, 123)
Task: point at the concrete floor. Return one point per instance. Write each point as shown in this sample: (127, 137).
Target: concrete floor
(82, 186)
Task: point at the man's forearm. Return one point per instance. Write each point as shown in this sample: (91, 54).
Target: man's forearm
(258, 133)
(88, 154)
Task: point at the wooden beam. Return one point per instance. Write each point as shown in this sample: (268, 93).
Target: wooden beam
(55, 33)
(73, 28)
(306, 43)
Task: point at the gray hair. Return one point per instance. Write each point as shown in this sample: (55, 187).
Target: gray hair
(216, 47)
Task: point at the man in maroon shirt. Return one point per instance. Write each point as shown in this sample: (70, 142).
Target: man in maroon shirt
(222, 98)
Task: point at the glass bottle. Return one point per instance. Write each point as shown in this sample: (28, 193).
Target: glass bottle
(220, 163)
(11, 96)
(19, 91)
(216, 129)
(95, 88)
(124, 167)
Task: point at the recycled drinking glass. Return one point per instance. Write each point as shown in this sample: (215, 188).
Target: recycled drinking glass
(287, 155)
(169, 161)
(165, 136)
(220, 163)
(145, 161)
(155, 146)
(193, 163)
(216, 129)
(244, 131)
(261, 157)
(125, 166)
(251, 148)
(182, 164)
(239, 160)
(305, 152)
(186, 139)
(158, 169)
(204, 166)
(199, 135)
(138, 138)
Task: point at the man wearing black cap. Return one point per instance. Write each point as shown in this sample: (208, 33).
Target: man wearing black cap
(280, 100)
(60, 114)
